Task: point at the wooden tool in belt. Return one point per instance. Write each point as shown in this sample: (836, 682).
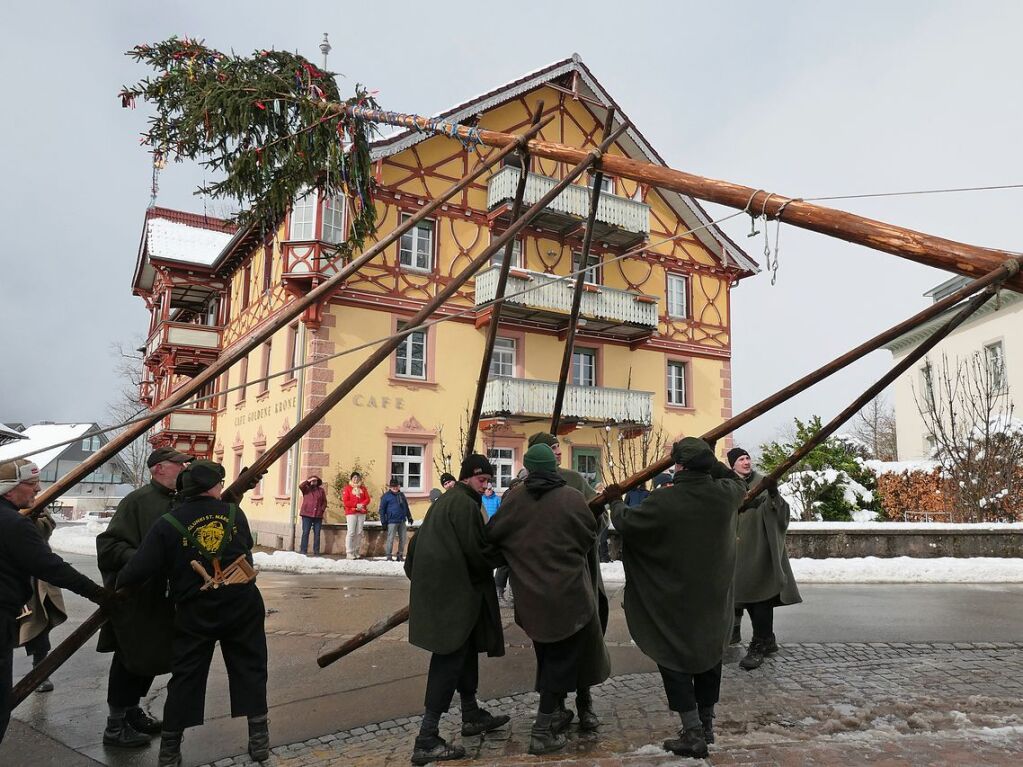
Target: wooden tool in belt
(236, 573)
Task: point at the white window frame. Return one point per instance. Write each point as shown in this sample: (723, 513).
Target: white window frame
(332, 229)
(678, 296)
(502, 363)
(302, 225)
(503, 459)
(404, 355)
(412, 254)
(498, 258)
(594, 267)
(994, 361)
(403, 457)
(676, 389)
(579, 370)
(607, 183)
(587, 452)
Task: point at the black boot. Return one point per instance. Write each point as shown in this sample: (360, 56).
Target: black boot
(707, 720)
(170, 749)
(543, 738)
(588, 721)
(433, 748)
(480, 721)
(120, 734)
(141, 721)
(690, 742)
(562, 717)
(259, 739)
(754, 656)
(769, 645)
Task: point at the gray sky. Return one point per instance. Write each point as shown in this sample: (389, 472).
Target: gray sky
(799, 98)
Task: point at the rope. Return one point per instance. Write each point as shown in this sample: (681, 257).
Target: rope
(915, 192)
(185, 406)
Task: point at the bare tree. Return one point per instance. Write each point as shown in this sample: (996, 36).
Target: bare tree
(874, 425)
(127, 405)
(627, 453)
(968, 415)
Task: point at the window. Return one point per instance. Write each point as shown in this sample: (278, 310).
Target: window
(416, 249)
(91, 444)
(503, 361)
(410, 357)
(678, 294)
(592, 273)
(268, 266)
(237, 462)
(333, 220)
(303, 217)
(994, 358)
(584, 367)
(607, 183)
(677, 384)
(503, 459)
(291, 358)
(257, 491)
(243, 375)
(516, 260)
(284, 475)
(586, 461)
(927, 385)
(246, 284)
(222, 399)
(407, 465)
(264, 383)
(205, 398)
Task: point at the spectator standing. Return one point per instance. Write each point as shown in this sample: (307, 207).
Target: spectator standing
(314, 506)
(355, 498)
(491, 501)
(394, 516)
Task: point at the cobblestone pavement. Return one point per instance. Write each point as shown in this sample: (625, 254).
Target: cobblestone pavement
(812, 704)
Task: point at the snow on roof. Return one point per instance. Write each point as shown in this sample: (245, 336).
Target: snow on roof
(9, 435)
(181, 242)
(41, 438)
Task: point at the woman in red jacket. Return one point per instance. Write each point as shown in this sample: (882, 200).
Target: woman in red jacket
(314, 506)
(356, 499)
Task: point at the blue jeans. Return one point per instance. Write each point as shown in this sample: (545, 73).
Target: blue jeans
(315, 523)
(401, 530)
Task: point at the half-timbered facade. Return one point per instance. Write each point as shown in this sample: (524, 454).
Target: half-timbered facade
(652, 349)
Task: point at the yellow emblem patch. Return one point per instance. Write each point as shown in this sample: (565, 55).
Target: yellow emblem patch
(210, 535)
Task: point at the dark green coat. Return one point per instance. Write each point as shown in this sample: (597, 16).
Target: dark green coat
(762, 570)
(451, 566)
(143, 631)
(679, 556)
(576, 480)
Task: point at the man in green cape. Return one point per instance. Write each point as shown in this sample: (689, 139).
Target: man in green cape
(453, 610)
(679, 557)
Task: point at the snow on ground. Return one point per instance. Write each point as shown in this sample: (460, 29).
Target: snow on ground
(81, 539)
(920, 527)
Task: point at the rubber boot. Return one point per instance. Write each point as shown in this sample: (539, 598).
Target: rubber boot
(170, 749)
(543, 738)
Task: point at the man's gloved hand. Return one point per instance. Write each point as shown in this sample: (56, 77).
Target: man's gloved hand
(111, 602)
(772, 487)
(612, 493)
(254, 481)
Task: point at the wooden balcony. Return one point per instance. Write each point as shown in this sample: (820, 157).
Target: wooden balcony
(524, 400)
(183, 348)
(306, 261)
(189, 431)
(620, 222)
(546, 300)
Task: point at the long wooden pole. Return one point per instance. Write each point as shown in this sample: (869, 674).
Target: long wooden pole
(498, 305)
(577, 293)
(287, 314)
(383, 351)
(968, 260)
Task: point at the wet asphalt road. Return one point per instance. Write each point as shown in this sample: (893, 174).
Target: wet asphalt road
(386, 679)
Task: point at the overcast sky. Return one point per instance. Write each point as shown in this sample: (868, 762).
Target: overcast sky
(800, 98)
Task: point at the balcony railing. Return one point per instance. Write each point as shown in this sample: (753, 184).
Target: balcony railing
(547, 293)
(616, 213)
(310, 258)
(535, 399)
(184, 334)
(187, 421)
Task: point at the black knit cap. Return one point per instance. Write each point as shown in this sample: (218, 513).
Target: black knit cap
(447, 477)
(476, 464)
(735, 454)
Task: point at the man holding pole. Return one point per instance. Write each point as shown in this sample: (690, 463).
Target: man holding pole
(453, 609)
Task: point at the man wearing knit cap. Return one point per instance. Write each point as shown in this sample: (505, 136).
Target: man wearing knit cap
(139, 638)
(24, 555)
(679, 557)
(205, 533)
(546, 532)
(763, 576)
(588, 719)
(453, 610)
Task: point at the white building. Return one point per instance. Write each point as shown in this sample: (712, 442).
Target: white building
(994, 332)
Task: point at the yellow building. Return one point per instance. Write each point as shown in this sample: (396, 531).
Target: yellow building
(651, 355)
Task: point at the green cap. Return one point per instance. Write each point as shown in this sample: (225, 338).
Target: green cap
(540, 458)
(199, 477)
(693, 453)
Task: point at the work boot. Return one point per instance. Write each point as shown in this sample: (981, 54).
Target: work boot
(544, 738)
(433, 748)
(259, 740)
(707, 720)
(562, 717)
(769, 645)
(588, 720)
(690, 742)
(141, 721)
(754, 656)
(45, 686)
(120, 734)
(479, 721)
(170, 749)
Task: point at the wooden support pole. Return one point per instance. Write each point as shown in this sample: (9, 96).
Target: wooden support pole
(498, 305)
(282, 320)
(577, 292)
(385, 349)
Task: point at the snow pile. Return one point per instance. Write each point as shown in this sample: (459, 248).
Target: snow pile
(77, 538)
(902, 467)
(908, 570)
(293, 562)
(919, 527)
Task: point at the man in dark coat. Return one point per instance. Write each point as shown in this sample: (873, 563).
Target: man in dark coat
(205, 532)
(763, 576)
(545, 531)
(453, 609)
(24, 555)
(140, 637)
(679, 556)
(588, 720)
